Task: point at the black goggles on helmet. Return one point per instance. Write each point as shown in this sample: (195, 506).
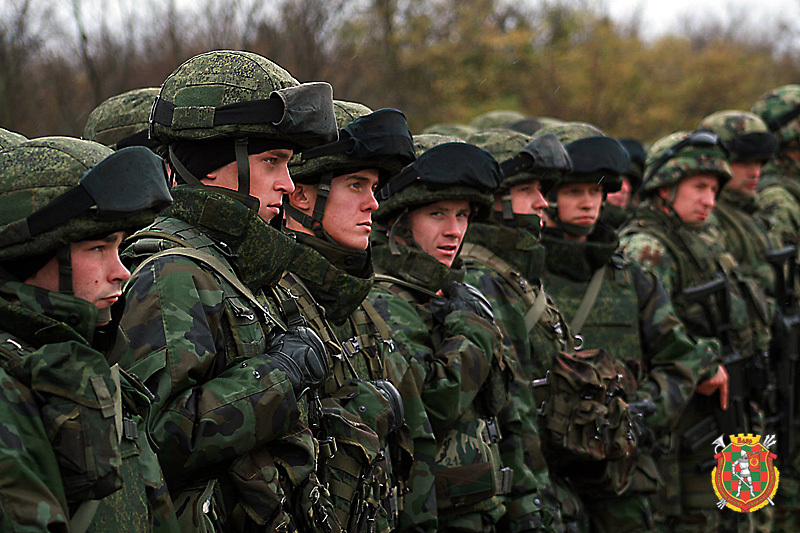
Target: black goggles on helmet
(381, 133)
(699, 139)
(126, 182)
(543, 154)
(598, 154)
(758, 145)
(306, 109)
(448, 165)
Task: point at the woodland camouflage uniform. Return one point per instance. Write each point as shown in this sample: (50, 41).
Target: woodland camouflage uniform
(338, 279)
(505, 261)
(208, 333)
(632, 317)
(779, 188)
(684, 257)
(75, 451)
(452, 343)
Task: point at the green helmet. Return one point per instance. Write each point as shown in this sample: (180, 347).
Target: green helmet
(367, 139)
(745, 135)
(122, 120)
(242, 97)
(596, 157)
(495, 119)
(780, 110)
(682, 155)
(59, 190)
(446, 168)
(9, 139)
(461, 131)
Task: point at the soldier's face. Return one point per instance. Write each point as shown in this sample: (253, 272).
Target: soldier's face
(746, 175)
(695, 198)
(439, 228)
(269, 179)
(348, 211)
(579, 203)
(97, 273)
(622, 197)
(526, 199)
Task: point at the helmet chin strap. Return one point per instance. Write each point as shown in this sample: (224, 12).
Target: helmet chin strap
(395, 229)
(314, 221)
(64, 260)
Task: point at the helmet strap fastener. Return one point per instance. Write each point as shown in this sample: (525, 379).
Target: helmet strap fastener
(508, 210)
(242, 165)
(323, 192)
(393, 247)
(64, 260)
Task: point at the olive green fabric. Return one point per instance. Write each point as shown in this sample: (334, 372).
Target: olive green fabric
(10, 138)
(120, 117)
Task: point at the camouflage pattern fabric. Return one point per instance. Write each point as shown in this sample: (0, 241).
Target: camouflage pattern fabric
(97, 452)
(634, 319)
(198, 348)
(10, 138)
(120, 116)
(455, 360)
(778, 198)
(341, 278)
(532, 355)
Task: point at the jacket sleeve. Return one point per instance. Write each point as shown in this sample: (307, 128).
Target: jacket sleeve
(31, 493)
(207, 409)
(674, 363)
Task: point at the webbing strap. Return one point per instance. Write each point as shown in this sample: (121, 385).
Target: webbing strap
(589, 298)
(377, 321)
(391, 279)
(535, 312)
(217, 266)
(80, 521)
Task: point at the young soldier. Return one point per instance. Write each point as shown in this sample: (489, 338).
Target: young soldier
(779, 188)
(621, 205)
(75, 452)
(614, 303)
(683, 177)
(446, 326)
(330, 215)
(208, 335)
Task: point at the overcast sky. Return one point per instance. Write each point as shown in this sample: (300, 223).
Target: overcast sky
(664, 16)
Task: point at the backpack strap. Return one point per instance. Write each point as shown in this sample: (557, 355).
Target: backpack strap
(589, 298)
(383, 278)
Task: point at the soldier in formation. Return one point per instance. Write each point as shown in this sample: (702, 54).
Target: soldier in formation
(334, 326)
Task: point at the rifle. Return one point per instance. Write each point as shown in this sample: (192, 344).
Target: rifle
(786, 343)
(717, 291)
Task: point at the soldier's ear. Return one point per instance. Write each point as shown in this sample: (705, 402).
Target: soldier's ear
(664, 192)
(303, 197)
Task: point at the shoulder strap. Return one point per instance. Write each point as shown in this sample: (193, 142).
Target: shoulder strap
(502, 267)
(535, 311)
(383, 278)
(589, 298)
(82, 518)
(664, 239)
(215, 265)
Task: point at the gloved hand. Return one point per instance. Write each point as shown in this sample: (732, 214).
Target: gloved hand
(392, 395)
(461, 297)
(639, 411)
(302, 356)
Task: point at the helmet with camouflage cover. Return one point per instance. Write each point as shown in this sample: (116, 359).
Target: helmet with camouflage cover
(446, 168)
(59, 190)
(495, 119)
(462, 131)
(241, 98)
(377, 140)
(682, 155)
(780, 110)
(745, 135)
(123, 120)
(10, 138)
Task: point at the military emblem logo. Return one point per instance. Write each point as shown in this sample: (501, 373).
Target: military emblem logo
(745, 479)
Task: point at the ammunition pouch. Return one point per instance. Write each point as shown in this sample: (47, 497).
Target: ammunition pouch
(201, 507)
(585, 414)
(469, 471)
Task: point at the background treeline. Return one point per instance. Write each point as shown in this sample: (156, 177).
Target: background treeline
(437, 60)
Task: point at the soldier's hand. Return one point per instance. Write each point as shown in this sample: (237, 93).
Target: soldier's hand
(302, 356)
(719, 381)
(461, 297)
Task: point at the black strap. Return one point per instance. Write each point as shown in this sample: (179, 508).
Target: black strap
(64, 270)
(242, 165)
(781, 121)
(253, 112)
(63, 208)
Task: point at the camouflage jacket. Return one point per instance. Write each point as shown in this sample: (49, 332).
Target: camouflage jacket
(778, 198)
(330, 284)
(78, 431)
(463, 371)
(734, 223)
(632, 317)
(532, 497)
(198, 343)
